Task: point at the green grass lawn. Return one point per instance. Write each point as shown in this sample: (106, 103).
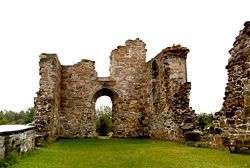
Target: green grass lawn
(128, 153)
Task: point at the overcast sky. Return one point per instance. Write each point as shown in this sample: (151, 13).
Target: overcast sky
(78, 29)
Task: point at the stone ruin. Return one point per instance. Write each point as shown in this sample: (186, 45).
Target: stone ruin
(149, 99)
(233, 120)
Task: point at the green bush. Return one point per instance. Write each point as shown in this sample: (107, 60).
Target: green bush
(204, 120)
(3, 164)
(190, 143)
(103, 120)
(103, 125)
(12, 158)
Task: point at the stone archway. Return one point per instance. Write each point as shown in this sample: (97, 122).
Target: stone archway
(105, 92)
(114, 99)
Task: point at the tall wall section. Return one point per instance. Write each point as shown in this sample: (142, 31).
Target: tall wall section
(77, 115)
(47, 102)
(170, 115)
(128, 69)
(233, 120)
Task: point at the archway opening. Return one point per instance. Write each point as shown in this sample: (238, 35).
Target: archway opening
(103, 112)
(105, 103)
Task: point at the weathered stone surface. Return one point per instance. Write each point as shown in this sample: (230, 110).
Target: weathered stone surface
(16, 140)
(236, 107)
(47, 102)
(150, 99)
(171, 115)
(218, 140)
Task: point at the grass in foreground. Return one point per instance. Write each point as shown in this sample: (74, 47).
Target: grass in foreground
(128, 153)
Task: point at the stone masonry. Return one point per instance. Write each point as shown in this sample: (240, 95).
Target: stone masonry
(18, 139)
(233, 120)
(149, 99)
(170, 115)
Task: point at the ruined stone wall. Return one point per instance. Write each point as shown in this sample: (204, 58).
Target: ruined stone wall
(128, 69)
(81, 88)
(171, 115)
(233, 120)
(19, 140)
(150, 99)
(47, 102)
(77, 116)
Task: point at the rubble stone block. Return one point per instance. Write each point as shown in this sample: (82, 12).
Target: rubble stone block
(247, 111)
(218, 140)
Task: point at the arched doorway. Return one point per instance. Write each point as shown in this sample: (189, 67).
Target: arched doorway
(104, 114)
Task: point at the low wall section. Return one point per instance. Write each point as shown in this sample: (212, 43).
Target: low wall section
(17, 138)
